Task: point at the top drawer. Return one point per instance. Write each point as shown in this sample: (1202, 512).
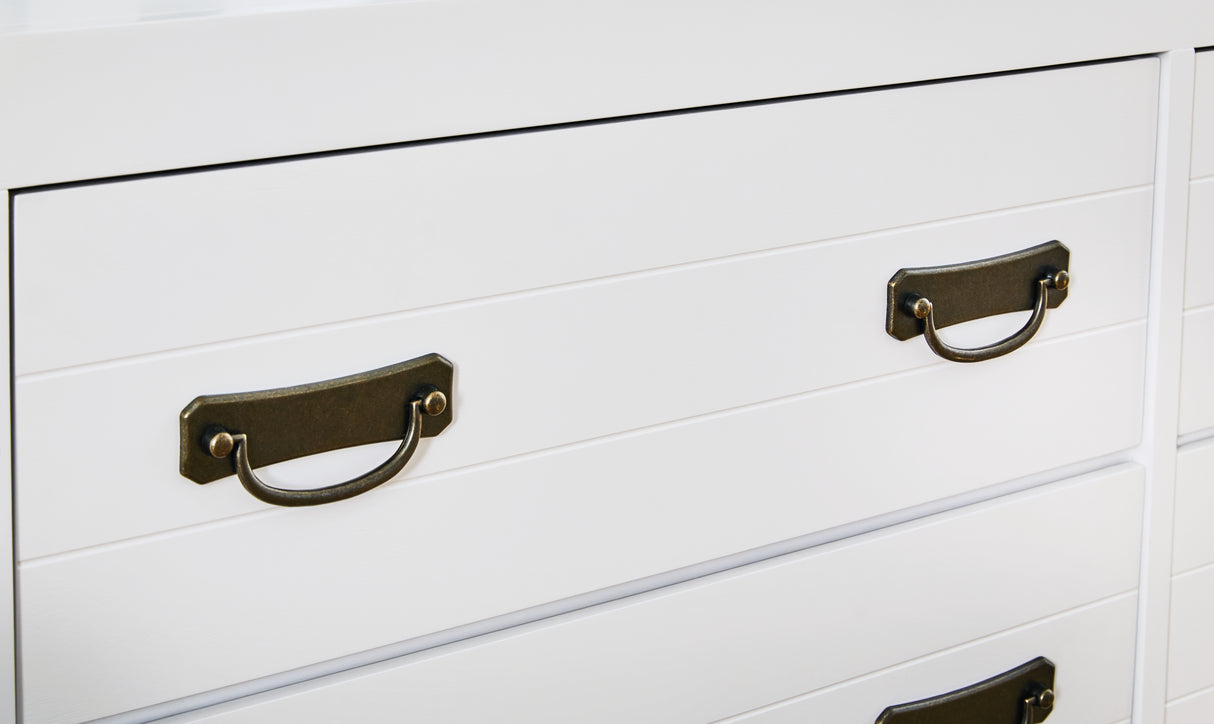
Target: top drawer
(592, 359)
(605, 430)
(111, 270)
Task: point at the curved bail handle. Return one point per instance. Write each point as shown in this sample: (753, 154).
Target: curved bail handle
(220, 443)
(923, 309)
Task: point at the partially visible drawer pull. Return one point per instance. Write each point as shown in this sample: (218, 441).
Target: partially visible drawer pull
(1024, 695)
(409, 400)
(1035, 278)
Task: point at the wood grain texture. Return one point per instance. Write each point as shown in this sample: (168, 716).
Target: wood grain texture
(604, 358)
(778, 629)
(172, 262)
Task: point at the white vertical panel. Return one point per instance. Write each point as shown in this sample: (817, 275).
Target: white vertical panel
(1163, 378)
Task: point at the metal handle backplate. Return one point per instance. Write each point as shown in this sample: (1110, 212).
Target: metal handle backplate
(925, 299)
(1024, 695)
(230, 434)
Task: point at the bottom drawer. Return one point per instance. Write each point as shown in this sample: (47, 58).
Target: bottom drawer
(734, 644)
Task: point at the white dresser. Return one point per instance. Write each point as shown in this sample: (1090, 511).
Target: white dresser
(688, 475)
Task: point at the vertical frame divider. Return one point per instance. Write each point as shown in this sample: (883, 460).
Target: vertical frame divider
(1165, 316)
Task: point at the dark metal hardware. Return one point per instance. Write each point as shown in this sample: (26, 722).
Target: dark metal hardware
(926, 299)
(406, 402)
(1024, 695)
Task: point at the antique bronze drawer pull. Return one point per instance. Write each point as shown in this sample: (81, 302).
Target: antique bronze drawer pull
(1024, 695)
(406, 401)
(1035, 278)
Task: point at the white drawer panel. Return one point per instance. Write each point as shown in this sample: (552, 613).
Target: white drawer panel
(1203, 117)
(1194, 709)
(597, 359)
(106, 271)
(733, 642)
(1199, 262)
(1190, 661)
(1193, 536)
(456, 549)
(1092, 647)
(1196, 372)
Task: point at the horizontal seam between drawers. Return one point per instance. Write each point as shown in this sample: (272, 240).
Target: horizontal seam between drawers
(573, 124)
(529, 455)
(432, 643)
(396, 315)
(940, 653)
(1192, 695)
(1196, 436)
(1194, 571)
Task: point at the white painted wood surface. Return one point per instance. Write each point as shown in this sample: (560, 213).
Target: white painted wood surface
(239, 252)
(729, 643)
(174, 94)
(1196, 372)
(1163, 378)
(8, 555)
(1199, 263)
(1203, 117)
(1196, 708)
(1092, 648)
(97, 103)
(1190, 664)
(1194, 536)
(454, 549)
(624, 354)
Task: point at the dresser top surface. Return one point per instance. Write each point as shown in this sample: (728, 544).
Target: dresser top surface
(115, 87)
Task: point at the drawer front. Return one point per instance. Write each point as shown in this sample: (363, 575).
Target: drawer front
(1190, 664)
(888, 613)
(1193, 537)
(292, 245)
(584, 409)
(546, 371)
(501, 538)
(1195, 709)
(1092, 648)
(1196, 377)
